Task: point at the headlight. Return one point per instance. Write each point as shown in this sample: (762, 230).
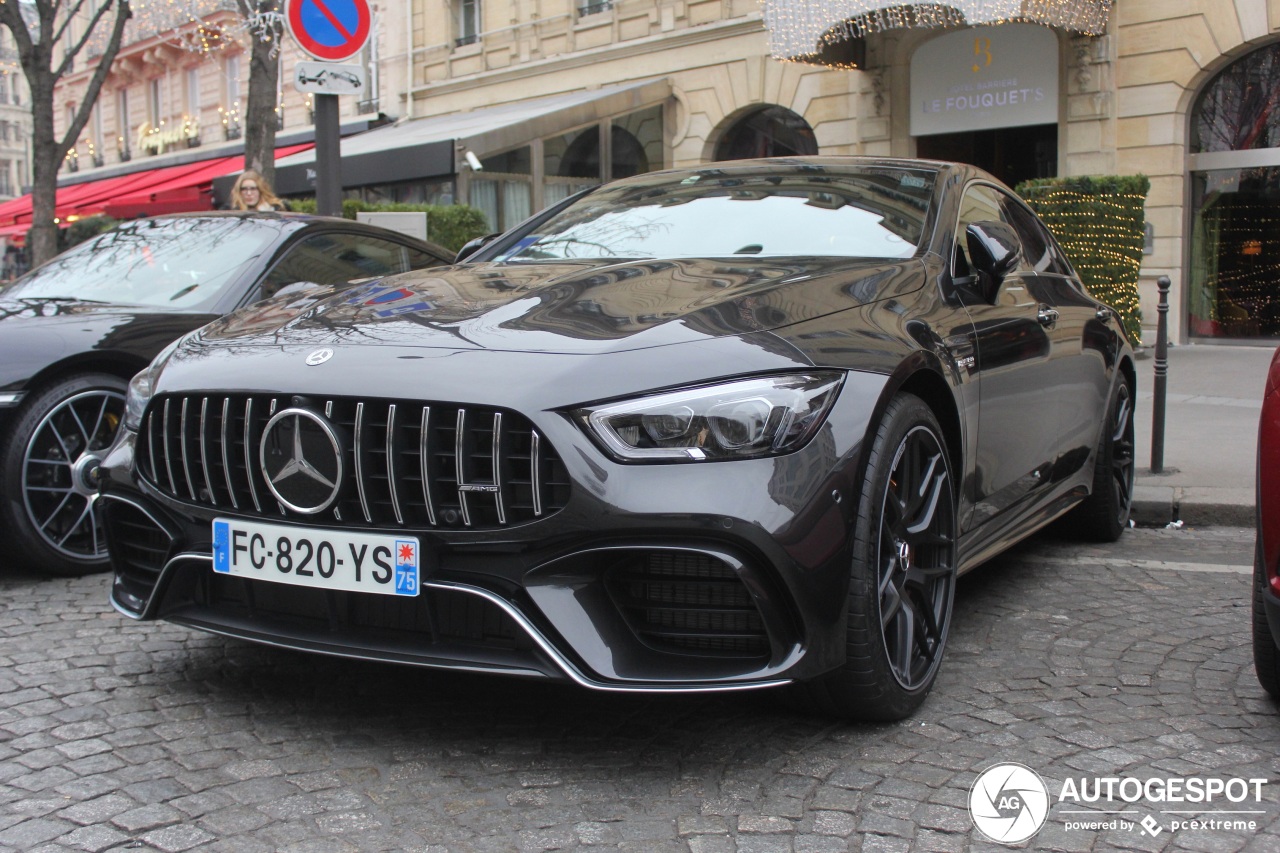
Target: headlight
(142, 386)
(735, 420)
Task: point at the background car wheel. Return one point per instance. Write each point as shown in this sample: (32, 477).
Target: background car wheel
(1104, 515)
(903, 576)
(50, 473)
(1266, 658)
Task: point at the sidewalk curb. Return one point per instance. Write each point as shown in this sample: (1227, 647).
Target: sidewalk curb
(1158, 505)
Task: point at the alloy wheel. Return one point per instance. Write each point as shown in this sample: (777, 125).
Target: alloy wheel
(1122, 452)
(916, 556)
(60, 472)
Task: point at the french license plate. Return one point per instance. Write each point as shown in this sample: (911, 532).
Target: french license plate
(325, 559)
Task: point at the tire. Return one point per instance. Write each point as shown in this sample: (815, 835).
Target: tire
(1266, 658)
(903, 574)
(1104, 515)
(48, 495)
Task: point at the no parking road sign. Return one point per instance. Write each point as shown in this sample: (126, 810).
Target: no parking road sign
(329, 29)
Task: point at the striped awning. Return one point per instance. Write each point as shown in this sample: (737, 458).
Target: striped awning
(808, 30)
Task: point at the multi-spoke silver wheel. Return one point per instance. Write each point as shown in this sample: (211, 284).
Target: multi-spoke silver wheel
(916, 559)
(50, 475)
(60, 471)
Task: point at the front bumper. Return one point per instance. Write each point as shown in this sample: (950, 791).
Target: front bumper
(668, 578)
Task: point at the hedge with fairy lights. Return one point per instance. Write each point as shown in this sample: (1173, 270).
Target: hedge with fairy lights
(1099, 222)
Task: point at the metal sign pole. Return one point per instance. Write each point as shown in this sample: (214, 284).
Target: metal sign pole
(328, 157)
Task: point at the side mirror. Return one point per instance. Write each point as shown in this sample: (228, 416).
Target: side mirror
(473, 246)
(994, 251)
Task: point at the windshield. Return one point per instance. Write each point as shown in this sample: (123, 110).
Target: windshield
(182, 263)
(859, 213)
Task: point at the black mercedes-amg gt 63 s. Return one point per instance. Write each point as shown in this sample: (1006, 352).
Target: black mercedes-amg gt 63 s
(708, 429)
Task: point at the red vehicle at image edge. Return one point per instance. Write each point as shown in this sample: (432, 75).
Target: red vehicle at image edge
(1266, 582)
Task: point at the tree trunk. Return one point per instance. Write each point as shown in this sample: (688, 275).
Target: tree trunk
(260, 113)
(46, 158)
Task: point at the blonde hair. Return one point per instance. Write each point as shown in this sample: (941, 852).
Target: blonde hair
(265, 195)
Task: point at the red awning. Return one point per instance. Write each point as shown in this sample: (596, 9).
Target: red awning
(172, 189)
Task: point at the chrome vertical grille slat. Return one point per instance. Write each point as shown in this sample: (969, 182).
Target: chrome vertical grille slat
(452, 467)
(424, 457)
(497, 467)
(248, 452)
(182, 444)
(226, 450)
(459, 456)
(204, 452)
(359, 453)
(168, 452)
(391, 463)
(535, 474)
(152, 441)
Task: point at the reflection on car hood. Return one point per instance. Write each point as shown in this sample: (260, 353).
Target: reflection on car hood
(572, 306)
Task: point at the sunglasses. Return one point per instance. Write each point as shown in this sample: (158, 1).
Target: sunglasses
(247, 187)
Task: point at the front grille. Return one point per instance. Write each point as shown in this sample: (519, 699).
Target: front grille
(691, 603)
(406, 464)
(138, 546)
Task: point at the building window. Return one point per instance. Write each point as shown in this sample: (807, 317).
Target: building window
(231, 97)
(193, 93)
(467, 14)
(96, 136)
(593, 7)
(767, 132)
(123, 129)
(1235, 232)
(155, 104)
(6, 182)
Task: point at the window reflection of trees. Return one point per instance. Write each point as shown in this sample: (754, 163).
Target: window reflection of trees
(1238, 110)
(175, 263)
(842, 215)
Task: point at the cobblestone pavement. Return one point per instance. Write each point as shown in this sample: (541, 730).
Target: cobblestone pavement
(1125, 660)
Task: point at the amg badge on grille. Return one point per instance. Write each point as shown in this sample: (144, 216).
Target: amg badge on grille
(301, 460)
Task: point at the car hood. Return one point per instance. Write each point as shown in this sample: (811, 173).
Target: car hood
(35, 333)
(570, 307)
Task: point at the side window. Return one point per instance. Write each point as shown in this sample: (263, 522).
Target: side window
(980, 203)
(1038, 250)
(421, 260)
(336, 259)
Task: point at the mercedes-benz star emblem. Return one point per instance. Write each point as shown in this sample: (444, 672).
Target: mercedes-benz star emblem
(319, 356)
(302, 460)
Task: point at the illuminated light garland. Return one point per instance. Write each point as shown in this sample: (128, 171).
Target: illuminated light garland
(805, 30)
(1099, 222)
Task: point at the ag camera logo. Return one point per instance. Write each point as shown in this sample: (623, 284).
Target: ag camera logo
(1008, 803)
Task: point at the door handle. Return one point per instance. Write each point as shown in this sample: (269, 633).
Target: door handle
(1048, 317)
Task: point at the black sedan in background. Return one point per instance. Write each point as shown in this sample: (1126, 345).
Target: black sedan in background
(710, 429)
(74, 331)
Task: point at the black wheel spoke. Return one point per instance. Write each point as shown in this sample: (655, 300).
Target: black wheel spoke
(905, 647)
(890, 605)
(916, 558)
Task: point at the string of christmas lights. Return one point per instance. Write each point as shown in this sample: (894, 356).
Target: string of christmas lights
(1099, 222)
(800, 29)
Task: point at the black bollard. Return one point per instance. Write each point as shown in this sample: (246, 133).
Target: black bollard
(1162, 369)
